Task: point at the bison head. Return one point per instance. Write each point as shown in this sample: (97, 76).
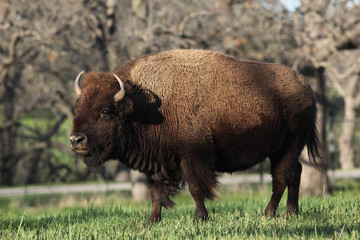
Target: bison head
(100, 111)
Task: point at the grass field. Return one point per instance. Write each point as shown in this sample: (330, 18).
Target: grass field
(232, 216)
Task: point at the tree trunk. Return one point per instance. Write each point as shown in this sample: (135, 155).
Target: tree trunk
(8, 134)
(314, 182)
(33, 168)
(140, 188)
(9, 130)
(346, 140)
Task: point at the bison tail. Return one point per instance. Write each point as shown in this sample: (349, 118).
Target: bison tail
(313, 148)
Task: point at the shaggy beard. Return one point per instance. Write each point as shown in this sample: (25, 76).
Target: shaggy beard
(95, 160)
(93, 163)
(99, 154)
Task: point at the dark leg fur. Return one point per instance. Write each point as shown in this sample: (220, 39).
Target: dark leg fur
(155, 194)
(293, 192)
(160, 196)
(201, 180)
(198, 195)
(286, 172)
(278, 187)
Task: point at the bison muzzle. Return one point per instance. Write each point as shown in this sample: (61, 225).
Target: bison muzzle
(183, 116)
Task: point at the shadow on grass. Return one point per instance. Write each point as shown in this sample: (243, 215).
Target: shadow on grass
(70, 217)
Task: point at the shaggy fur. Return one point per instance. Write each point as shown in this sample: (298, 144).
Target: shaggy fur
(188, 114)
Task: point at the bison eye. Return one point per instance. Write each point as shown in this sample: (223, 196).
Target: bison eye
(105, 113)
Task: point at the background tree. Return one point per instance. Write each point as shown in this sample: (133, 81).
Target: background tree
(343, 72)
(320, 36)
(325, 30)
(29, 49)
(45, 44)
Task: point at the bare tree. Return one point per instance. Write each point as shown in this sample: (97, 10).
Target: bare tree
(329, 28)
(28, 46)
(323, 29)
(312, 38)
(343, 70)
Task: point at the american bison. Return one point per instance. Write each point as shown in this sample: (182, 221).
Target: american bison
(183, 116)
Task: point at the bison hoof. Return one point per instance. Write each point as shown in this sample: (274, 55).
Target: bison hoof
(201, 217)
(153, 219)
(269, 213)
(291, 212)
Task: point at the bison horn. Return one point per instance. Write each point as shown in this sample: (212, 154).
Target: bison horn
(119, 95)
(77, 84)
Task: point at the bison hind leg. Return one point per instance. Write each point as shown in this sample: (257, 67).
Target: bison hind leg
(201, 179)
(286, 172)
(293, 191)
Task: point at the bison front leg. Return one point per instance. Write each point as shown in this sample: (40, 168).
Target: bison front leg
(155, 194)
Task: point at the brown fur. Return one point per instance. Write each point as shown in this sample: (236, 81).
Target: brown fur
(188, 114)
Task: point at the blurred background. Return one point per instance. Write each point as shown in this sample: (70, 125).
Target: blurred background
(45, 44)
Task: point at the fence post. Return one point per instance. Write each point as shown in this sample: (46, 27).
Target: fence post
(332, 146)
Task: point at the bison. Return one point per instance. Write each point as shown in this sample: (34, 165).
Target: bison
(184, 116)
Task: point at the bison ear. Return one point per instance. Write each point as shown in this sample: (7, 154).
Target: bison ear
(126, 107)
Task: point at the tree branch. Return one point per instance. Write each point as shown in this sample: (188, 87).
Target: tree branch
(357, 97)
(12, 56)
(43, 142)
(187, 18)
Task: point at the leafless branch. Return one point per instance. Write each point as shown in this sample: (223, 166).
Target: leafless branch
(189, 16)
(335, 76)
(340, 76)
(13, 54)
(357, 99)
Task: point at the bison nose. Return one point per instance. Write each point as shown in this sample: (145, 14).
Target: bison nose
(76, 139)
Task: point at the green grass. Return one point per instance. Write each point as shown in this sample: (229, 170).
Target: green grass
(232, 216)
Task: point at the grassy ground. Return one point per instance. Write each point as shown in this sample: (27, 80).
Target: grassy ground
(232, 216)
